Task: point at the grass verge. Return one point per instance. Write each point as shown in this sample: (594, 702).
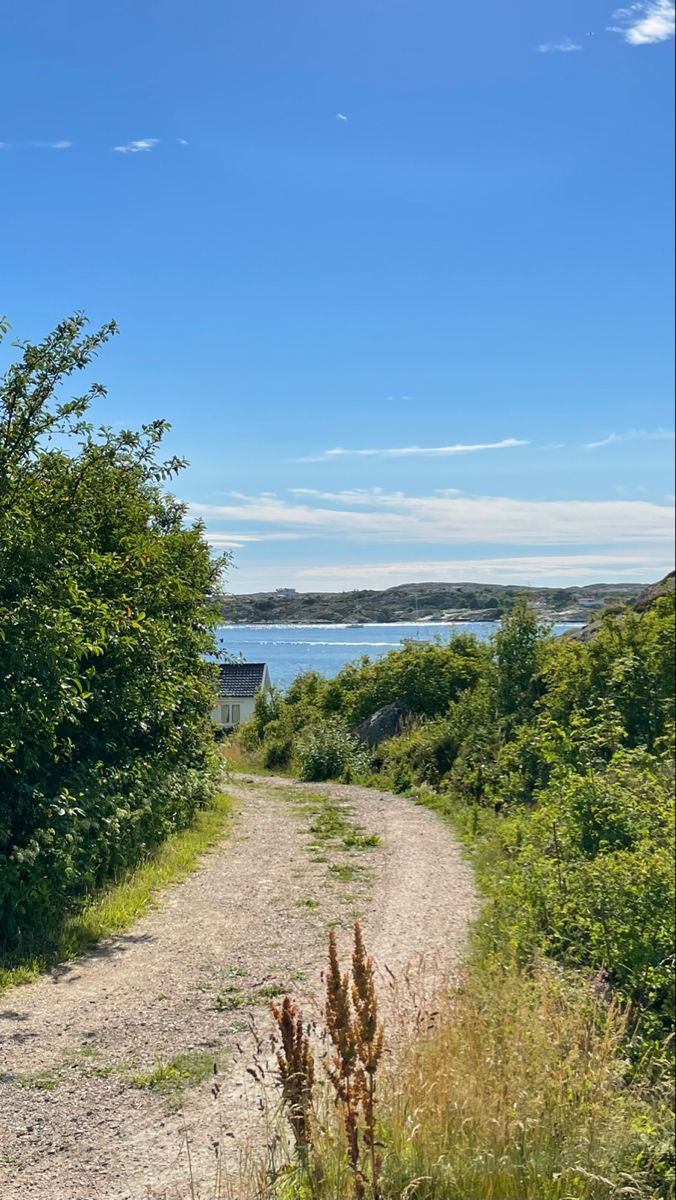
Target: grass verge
(120, 904)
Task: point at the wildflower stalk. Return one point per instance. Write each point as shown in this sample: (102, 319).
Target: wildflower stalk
(295, 1064)
(369, 1038)
(357, 1036)
(343, 1070)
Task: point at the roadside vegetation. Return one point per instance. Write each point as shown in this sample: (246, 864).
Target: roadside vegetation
(549, 1072)
(105, 741)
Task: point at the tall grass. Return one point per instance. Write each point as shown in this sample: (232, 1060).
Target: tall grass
(517, 1094)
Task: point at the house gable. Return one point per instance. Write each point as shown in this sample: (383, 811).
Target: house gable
(238, 686)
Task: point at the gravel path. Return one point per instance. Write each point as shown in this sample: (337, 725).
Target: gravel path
(193, 977)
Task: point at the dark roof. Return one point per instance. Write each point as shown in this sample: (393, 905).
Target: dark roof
(240, 679)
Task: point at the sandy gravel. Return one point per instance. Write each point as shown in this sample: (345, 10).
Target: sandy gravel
(253, 917)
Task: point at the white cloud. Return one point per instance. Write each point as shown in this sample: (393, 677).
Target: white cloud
(564, 47)
(182, 141)
(645, 22)
(62, 145)
(374, 495)
(341, 117)
(228, 541)
(633, 435)
(528, 569)
(404, 451)
(135, 147)
(370, 515)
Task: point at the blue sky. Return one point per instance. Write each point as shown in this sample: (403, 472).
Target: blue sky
(464, 286)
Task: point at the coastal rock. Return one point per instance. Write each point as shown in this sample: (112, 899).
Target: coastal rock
(385, 723)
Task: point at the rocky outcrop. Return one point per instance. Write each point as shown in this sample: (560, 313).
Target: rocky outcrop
(644, 601)
(653, 593)
(387, 722)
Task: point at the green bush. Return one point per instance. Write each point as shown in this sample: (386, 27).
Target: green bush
(327, 751)
(105, 739)
(277, 752)
(588, 878)
(428, 675)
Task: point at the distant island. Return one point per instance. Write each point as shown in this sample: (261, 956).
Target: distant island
(421, 602)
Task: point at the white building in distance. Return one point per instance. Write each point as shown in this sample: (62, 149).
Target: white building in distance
(238, 686)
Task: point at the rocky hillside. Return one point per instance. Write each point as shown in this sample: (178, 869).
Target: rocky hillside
(645, 600)
(422, 601)
(650, 594)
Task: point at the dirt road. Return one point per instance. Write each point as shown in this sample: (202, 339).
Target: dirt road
(88, 1107)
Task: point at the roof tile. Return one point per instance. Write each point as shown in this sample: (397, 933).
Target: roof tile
(240, 679)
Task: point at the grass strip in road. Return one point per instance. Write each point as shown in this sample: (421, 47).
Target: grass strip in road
(120, 904)
(331, 823)
(183, 1071)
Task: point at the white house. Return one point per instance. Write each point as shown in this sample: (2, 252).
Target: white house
(238, 686)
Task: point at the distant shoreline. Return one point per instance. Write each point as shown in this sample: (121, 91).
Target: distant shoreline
(422, 603)
(422, 624)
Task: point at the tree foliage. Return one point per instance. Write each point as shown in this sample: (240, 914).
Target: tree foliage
(104, 625)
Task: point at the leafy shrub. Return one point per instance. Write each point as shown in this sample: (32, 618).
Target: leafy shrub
(422, 754)
(327, 751)
(105, 739)
(277, 752)
(267, 707)
(519, 645)
(428, 674)
(588, 878)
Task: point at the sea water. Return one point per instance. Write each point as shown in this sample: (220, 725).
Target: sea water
(289, 649)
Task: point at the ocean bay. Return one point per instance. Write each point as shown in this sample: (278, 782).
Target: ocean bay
(290, 649)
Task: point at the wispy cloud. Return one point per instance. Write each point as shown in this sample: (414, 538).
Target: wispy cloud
(538, 569)
(645, 22)
(5, 145)
(370, 515)
(339, 452)
(61, 145)
(182, 141)
(633, 435)
(567, 46)
(341, 117)
(235, 541)
(137, 146)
